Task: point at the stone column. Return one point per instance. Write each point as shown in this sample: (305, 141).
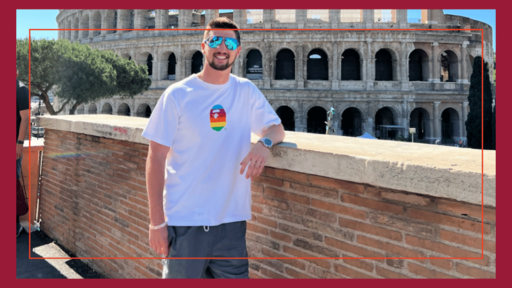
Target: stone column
(240, 17)
(267, 65)
(334, 18)
(333, 65)
(161, 20)
(463, 78)
(104, 22)
(368, 18)
(212, 14)
(370, 66)
(184, 19)
(437, 122)
(300, 18)
(138, 22)
(120, 23)
(299, 75)
(162, 69)
(81, 33)
(268, 18)
(401, 18)
(464, 117)
(188, 68)
(436, 72)
(91, 26)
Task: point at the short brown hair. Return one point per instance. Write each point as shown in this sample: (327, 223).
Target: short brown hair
(223, 23)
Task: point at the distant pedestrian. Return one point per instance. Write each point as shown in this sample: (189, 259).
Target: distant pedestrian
(22, 119)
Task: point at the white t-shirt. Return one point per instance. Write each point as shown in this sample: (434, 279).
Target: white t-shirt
(209, 130)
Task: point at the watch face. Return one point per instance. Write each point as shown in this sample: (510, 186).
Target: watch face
(268, 142)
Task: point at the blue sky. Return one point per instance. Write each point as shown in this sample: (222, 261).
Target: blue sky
(41, 19)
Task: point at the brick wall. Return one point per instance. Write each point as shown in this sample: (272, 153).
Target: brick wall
(301, 215)
(94, 202)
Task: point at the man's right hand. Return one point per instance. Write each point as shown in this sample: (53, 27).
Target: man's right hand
(159, 241)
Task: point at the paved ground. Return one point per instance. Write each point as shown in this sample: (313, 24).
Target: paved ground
(43, 246)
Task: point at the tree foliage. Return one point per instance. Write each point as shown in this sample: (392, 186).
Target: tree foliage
(474, 121)
(76, 73)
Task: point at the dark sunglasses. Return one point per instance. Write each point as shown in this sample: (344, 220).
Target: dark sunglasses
(215, 41)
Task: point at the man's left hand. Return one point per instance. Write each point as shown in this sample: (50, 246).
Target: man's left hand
(257, 157)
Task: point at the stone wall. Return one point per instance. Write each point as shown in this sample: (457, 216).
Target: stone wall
(319, 196)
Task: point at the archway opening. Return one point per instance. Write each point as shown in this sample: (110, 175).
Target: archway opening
(143, 110)
(350, 65)
(107, 109)
(85, 25)
(449, 66)
(149, 62)
(317, 116)
(351, 122)
(92, 109)
(80, 110)
(197, 62)
(287, 117)
(420, 120)
(285, 65)
(171, 67)
(124, 110)
(254, 67)
(96, 24)
(383, 66)
(418, 66)
(383, 122)
(318, 65)
(450, 126)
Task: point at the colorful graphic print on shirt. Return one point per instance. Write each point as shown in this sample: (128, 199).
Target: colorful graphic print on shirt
(217, 118)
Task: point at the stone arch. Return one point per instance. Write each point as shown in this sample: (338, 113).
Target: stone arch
(68, 32)
(418, 65)
(107, 109)
(254, 64)
(144, 110)
(285, 65)
(170, 69)
(450, 125)
(96, 23)
(385, 65)
(148, 60)
(385, 116)
(126, 55)
(80, 110)
(351, 65)
(420, 119)
(111, 20)
(449, 63)
(75, 26)
(149, 21)
(352, 121)
(287, 116)
(84, 24)
(316, 118)
(92, 109)
(127, 19)
(124, 110)
(197, 62)
(317, 65)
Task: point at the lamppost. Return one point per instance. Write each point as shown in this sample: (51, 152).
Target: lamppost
(412, 131)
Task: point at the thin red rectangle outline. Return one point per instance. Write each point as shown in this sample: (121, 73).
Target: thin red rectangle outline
(188, 29)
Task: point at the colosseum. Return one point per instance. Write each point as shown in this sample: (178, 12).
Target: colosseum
(381, 71)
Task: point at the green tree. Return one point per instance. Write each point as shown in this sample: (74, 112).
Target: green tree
(474, 121)
(76, 73)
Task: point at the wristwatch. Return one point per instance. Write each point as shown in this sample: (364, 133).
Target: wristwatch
(19, 142)
(266, 142)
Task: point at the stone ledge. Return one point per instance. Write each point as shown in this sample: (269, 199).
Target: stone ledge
(439, 171)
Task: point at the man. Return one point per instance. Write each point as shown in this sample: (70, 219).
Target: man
(204, 124)
(22, 119)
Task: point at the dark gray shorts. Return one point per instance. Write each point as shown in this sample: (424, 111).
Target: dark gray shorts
(225, 240)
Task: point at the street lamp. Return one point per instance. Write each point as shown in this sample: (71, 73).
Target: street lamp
(412, 131)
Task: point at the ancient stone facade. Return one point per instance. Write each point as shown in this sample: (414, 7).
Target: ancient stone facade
(382, 72)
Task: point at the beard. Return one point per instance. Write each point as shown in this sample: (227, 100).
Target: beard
(222, 67)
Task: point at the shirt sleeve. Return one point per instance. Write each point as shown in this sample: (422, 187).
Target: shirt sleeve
(262, 114)
(23, 98)
(163, 122)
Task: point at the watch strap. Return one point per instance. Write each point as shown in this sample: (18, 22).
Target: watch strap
(19, 142)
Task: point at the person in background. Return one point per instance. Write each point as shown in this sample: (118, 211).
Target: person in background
(22, 119)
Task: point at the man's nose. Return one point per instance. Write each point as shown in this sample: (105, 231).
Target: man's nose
(222, 47)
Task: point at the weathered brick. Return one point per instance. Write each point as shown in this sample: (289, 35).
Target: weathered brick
(361, 264)
(314, 191)
(256, 187)
(360, 214)
(408, 225)
(305, 211)
(447, 250)
(353, 249)
(370, 229)
(349, 272)
(474, 242)
(451, 221)
(268, 181)
(256, 228)
(372, 204)
(322, 273)
(391, 248)
(281, 215)
(426, 272)
(473, 272)
(329, 230)
(266, 221)
(383, 272)
(286, 174)
(256, 209)
(441, 263)
(306, 245)
(292, 230)
(275, 265)
(336, 184)
(280, 236)
(474, 211)
(271, 274)
(396, 263)
(285, 195)
(293, 262)
(298, 253)
(263, 240)
(296, 274)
